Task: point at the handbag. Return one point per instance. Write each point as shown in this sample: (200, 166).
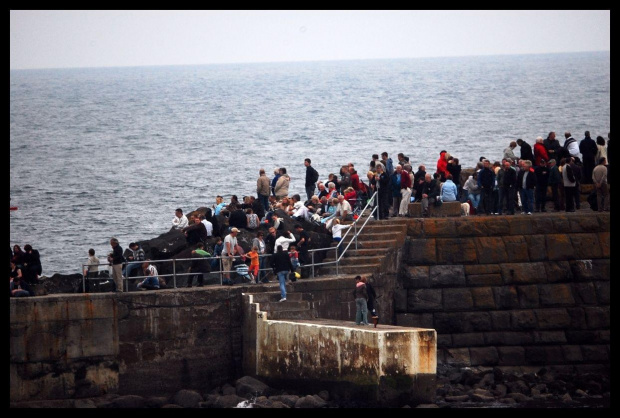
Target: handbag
(292, 277)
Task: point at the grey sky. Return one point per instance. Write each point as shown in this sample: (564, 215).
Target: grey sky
(66, 39)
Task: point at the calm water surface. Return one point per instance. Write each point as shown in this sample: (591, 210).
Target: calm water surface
(96, 153)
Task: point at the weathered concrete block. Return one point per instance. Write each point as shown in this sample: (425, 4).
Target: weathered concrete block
(424, 300)
(552, 318)
(523, 273)
(457, 357)
(536, 247)
(483, 298)
(560, 247)
(585, 293)
(415, 320)
(500, 320)
(484, 279)
(549, 337)
(506, 297)
(509, 338)
(528, 296)
(415, 277)
(457, 299)
(558, 271)
(510, 356)
(516, 249)
(597, 316)
(523, 320)
(586, 246)
(469, 339)
(456, 251)
(491, 250)
(483, 355)
(603, 294)
(556, 295)
(572, 353)
(447, 276)
(421, 251)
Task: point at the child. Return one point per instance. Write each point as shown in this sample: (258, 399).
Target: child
(294, 255)
(253, 255)
(217, 253)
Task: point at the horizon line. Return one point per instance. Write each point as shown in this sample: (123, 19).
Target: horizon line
(301, 61)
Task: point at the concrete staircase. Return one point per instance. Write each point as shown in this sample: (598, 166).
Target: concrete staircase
(296, 305)
(373, 243)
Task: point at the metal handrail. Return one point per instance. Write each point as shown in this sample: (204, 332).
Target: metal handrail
(221, 272)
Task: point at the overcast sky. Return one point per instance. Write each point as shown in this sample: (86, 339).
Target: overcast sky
(68, 39)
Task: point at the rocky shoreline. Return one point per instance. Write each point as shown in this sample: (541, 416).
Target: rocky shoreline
(456, 388)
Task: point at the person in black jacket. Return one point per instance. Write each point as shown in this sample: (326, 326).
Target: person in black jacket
(526, 182)
(116, 259)
(372, 296)
(507, 188)
(281, 265)
(31, 267)
(542, 181)
(430, 192)
(312, 176)
(526, 150)
(486, 181)
(588, 150)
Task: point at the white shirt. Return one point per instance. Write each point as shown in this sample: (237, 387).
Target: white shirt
(209, 227)
(284, 242)
(302, 212)
(342, 207)
(233, 244)
(179, 223)
(337, 230)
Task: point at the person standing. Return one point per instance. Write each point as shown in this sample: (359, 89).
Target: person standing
(360, 294)
(116, 259)
(542, 181)
(526, 150)
(372, 296)
(228, 254)
(91, 268)
(486, 181)
(509, 151)
(31, 268)
(274, 181)
(263, 188)
(571, 147)
(281, 264)
(570, 185)
(200, 265)
(382, 183)
(282, 185)
(588, 149)
(395, 187)
(526, 181)
(303, 244)
(555, 178)
(387, 163)
(599, 177)
(507, 189)
(553, 147)
(261, 247)
(540, 152)
(312, 176)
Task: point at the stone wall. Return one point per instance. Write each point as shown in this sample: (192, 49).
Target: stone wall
(510, 291)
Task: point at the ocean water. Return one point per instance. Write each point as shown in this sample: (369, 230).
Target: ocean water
(112, 152)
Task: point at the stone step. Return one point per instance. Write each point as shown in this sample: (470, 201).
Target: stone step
(366, 268)
(375, 235)
(352, 252)
(287, 305)
(283, 315)
(274, 297)
(359, 259)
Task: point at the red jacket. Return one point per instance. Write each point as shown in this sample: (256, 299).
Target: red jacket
(540, 152)
(442, 165)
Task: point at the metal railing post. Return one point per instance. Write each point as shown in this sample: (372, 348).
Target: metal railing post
(174, 273)
(221, 273)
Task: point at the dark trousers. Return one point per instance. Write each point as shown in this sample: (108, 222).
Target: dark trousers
(555, 196)
(569, 198)
(487, 200)
(540, 197)
(507, 194)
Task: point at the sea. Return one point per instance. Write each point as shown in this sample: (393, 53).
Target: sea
(97, 153)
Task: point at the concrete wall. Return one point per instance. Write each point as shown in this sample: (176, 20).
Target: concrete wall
(510, 291)
(507, 291)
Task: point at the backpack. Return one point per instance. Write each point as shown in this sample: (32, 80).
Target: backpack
(569, 173)
(253, 221)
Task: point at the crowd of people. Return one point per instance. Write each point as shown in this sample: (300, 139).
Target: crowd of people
(517, 182)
